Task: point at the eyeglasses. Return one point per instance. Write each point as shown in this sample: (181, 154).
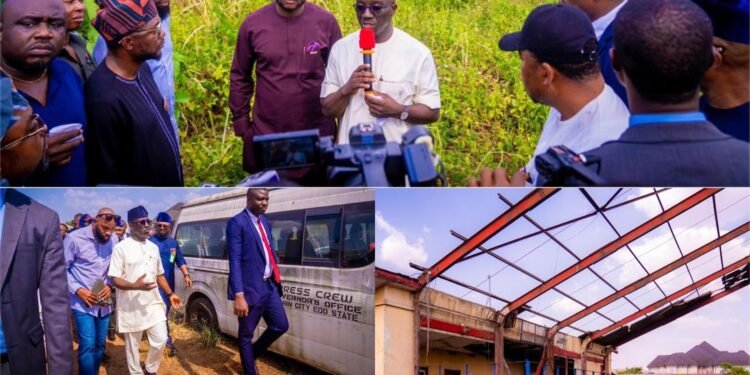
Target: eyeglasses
(109, 217)
(375, 9)
(143, 222)
(42, 128)
(162, 225)
(153, 30)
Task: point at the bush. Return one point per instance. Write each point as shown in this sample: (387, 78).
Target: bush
(486, 117)
(209, 337)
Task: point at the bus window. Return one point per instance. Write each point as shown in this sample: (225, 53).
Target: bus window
(203, 239)
(187, 238)
(359, 235)
(321, 242)
(286, 228)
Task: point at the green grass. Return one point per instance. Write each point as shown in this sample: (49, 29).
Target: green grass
(486, 117)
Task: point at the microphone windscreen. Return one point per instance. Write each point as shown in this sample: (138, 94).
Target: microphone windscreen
(367, 38)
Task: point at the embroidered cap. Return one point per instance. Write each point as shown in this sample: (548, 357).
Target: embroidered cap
(115, 19)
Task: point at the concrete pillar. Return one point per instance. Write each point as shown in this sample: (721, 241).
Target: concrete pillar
(500, 349)
(395, 331)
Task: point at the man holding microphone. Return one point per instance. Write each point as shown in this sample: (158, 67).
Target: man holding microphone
(402, 76)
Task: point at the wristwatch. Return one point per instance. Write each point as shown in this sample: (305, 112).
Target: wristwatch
(405, 113)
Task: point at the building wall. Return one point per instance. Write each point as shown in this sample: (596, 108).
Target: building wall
(395, 331)
(440, 360)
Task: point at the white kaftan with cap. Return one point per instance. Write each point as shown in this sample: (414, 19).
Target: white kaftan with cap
(137, 310)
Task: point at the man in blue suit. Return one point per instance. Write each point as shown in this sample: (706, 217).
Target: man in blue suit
(254, 279)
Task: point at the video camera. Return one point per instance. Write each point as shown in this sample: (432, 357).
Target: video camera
(560, 166)
(368, 159)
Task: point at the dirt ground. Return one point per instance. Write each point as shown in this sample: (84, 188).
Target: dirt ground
(194, 359)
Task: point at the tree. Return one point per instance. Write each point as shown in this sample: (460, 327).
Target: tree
(734, 370)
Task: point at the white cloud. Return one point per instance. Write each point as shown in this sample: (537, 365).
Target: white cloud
(426, 229)
(395, 250)
(90, 201)
(691, 321)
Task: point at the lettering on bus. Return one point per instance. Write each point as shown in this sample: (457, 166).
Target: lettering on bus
(334, 304)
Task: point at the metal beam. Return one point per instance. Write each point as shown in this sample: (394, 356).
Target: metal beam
(526, 204)
(488, 294)
(612, 226)
(527, 273)
(665, 317)
(652, 307)
(549, 346)
(740, 230)
(611, 247)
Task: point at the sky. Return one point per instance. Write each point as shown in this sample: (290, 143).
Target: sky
(414, 226)
(69, 201)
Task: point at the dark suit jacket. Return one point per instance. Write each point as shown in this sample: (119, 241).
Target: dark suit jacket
(695, 154)
(246, 260)
(606, 42)
(32, 259)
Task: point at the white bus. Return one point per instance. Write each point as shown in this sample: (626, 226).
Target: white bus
(325, 239)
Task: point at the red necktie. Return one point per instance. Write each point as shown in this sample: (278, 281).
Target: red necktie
(271, 258)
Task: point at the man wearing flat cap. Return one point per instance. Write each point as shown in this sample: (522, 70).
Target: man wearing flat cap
(135, 270)
(171, 256)
(726, 86)
(560, 68)
(129, 126)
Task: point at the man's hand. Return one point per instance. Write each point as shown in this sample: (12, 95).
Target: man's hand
(499, 177)
(188, 282)
(105, 293)
(359, 79)
(88, 297)
(382, 105)
(240, 306)
(140, 284)
(175, 300)
(59, 152)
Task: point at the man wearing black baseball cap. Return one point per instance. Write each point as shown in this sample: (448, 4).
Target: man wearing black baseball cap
(662, 50)
(560, 68)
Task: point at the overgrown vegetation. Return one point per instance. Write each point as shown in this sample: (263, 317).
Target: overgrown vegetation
(734, 370)
(486, 117)
(632, 370)
(209, 337)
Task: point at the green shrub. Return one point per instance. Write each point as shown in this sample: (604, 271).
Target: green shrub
(209, 337)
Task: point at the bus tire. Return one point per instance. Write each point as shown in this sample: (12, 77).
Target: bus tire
(201, 313)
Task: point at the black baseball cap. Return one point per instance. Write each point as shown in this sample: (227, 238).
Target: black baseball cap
(555, 33)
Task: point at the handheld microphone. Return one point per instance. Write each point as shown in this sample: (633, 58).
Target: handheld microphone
(367, 45)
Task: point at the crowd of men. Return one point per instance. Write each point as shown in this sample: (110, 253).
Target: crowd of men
(96, 268)
(118, 275)
(106, 119)
(660, 99)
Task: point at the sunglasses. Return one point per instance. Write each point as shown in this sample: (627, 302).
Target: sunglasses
(162, 225)
(375, 9)
(143, 222)
(109, 217)
(41, 128)
(154, 30)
